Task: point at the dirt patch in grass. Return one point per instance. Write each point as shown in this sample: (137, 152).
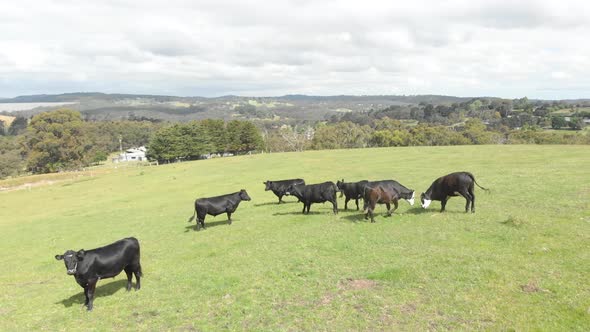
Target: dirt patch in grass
(355, 284)
(532, 287)
(513, 222)
(408, 308)
(345, 286)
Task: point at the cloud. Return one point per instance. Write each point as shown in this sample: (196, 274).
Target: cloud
(252, 47)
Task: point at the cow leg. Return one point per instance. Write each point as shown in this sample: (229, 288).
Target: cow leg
(468, 199)
(472, 200)
(371, 215)
(86, 295)
(443, 203)
(199, 221)
(91, 288)
(304, 205)
(395, 205)
(229, 217)
(308, 207)
(137, 273)
(346, 204)
(334, 206)
(388, 206)
(280, 199)
(357, 203)
(129, 273)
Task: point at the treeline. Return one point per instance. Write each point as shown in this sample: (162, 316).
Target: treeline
(496, 113)
(61, 140)
(386, 132)
(199, 139)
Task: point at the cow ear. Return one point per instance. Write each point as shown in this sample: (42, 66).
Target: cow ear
(59, 257)
(80, 254)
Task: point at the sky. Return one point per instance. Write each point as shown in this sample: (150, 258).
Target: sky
(509, 49)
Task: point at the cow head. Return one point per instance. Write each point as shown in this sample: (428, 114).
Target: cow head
(244, 195)
(425, 200)
(71, 259)
(267, 185)
(339, 184)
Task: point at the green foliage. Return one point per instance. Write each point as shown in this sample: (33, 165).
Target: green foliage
(57, 141)
(558, 122)
(191, 140)
(343, 135)
(18, 126)
(11, 161)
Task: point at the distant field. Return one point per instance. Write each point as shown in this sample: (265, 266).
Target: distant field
(7, 120)
(12, 107)
(519, 263)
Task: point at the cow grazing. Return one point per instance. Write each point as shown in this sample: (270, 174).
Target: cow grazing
(218, 205)
(403, 192)
(280, 187)
(89, 266)
(315, 193)
(379, 195)
(351, 190)
(454, 184)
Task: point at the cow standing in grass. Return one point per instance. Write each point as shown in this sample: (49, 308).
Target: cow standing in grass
(280, 187)
(351, 190)
(218, 205)
(379, 195)
(315, 193)
(454, 184)
(403, 192)
(89, 266)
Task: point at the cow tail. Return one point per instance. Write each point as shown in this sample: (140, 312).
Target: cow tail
(193, 216)
(139, 271)
(473, 178)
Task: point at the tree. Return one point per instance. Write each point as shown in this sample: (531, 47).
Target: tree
(557, 122)
(56, 141)
(216, 131)
(18, 126)
(11, 161)
(576, 123)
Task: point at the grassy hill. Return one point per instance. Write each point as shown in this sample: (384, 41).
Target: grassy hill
(520, 262)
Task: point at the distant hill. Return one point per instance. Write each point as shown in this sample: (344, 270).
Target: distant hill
(103, 106)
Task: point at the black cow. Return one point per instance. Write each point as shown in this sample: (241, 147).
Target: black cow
(352, 190)
(403, 192)
(89, 266)
(379, 195)
(218, 205)
(315, 193)
(454, 184)
(279, 187)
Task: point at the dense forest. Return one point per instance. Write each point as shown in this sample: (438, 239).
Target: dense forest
(64, 139)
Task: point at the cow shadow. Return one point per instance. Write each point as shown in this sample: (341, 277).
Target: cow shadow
(101, 291)
(193, 225)
(274, 203)
(357, 217)
(418, 210)
(294, 213)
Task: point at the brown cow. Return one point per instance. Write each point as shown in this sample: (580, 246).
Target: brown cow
(379, 195)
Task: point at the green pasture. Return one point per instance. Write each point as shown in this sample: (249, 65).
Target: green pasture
(521, 262)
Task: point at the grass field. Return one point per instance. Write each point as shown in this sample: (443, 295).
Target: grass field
(520, 262)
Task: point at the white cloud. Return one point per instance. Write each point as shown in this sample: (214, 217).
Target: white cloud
(253, 47)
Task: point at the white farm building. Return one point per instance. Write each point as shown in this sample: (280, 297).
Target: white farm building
(133, 154)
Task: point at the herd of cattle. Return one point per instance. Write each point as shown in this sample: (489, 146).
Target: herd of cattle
(89, 266)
